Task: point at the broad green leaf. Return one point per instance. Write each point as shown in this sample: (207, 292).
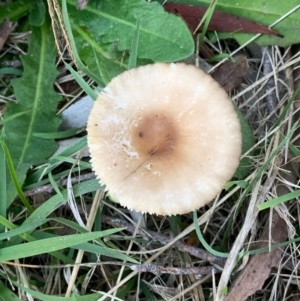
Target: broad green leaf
(15, 10)
(35, 96)
(37, 13)
(263, 12)
(33, 180)
(108, 27)
(14, 176)
(46, 245)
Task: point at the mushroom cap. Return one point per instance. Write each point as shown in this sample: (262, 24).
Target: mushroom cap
(164, 138)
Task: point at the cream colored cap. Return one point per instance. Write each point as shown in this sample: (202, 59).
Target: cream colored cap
(164, 138)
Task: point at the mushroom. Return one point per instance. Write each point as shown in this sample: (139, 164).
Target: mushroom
(164, 138)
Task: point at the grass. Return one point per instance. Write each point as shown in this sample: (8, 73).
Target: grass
(233, 224)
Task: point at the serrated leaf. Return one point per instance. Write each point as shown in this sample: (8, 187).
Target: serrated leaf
(262, 12)
(108, 27)
(37, 13)
(36, 97)
(15, 10)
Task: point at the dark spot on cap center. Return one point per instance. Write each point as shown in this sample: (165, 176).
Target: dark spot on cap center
(159, 136)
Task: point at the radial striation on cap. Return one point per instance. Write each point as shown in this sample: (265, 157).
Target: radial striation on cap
(164, 138)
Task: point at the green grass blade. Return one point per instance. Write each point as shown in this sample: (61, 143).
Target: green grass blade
(14, 176)
(46, 245)
(43, 211)
(72, 149)
(206, 20)
(6, 294)
(27, 237)
(83, 84)
(286, 108)
(58, 135)
(2, 185)
(73, 161)
(43, 297)
(33, 180)
(105, 251)
(261, 170)
(279, 200)
(98, 247)
(14, 230)
(10, 71)
(80, 64)
(54, 184)
(56, 201)
(202, 240)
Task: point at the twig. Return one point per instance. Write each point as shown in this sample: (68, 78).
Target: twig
(142, 268)
(48, 188)
(159, 270)
(163, 239)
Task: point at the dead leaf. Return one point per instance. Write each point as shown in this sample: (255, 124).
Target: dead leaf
(230, 74)
(5, 30)
(220, 21)
(254, 275)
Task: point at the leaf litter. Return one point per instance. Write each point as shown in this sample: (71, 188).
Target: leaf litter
(223, 218)
(220, 21)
